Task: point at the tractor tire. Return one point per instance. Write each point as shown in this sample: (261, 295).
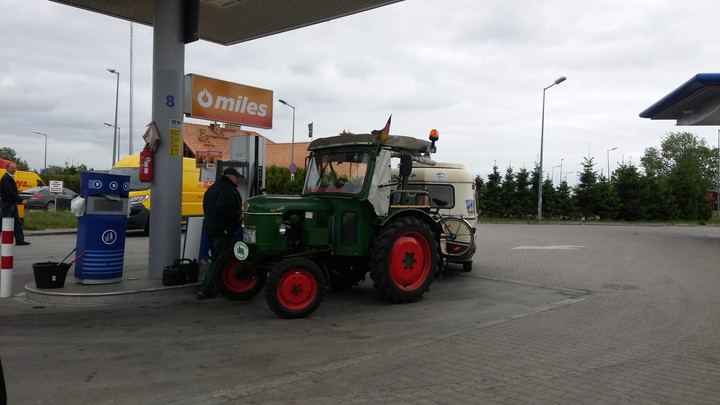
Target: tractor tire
(404, 260)
(236, 280)
(295, 288)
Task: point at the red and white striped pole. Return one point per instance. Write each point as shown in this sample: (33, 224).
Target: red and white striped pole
(6, 265)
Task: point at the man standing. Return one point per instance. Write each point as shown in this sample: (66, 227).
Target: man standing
(222, 206)
(10, 199)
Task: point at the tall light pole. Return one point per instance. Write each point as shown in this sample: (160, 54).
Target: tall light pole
(553, 174)
(117, 154)
(292, 147)
(608, 161)
(542, 135)
(115, 130)
(45, 135)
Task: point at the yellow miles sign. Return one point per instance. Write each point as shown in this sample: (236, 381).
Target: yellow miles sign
(218, 100)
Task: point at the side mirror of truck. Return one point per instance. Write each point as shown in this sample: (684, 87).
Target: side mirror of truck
(405, 165)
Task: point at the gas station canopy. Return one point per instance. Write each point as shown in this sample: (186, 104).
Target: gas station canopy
(228, 22)
(697, 102)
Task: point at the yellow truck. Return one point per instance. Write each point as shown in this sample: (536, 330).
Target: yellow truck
(193, 191)
(24, 181)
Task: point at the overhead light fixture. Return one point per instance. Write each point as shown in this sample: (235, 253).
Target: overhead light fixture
(222, 3)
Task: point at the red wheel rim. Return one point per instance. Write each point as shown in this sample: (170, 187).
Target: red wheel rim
(297, 289)
(409, 261)
(245, 283)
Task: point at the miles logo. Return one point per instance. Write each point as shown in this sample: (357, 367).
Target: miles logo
(242, 104)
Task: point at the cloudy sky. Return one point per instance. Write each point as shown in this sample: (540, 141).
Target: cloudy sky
(475, 70)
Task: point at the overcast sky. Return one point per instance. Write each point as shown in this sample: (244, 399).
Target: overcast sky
(475, 70)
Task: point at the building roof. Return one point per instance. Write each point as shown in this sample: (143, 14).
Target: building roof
(696, 102)
(230, 22)
(216, 137)
(213, 137)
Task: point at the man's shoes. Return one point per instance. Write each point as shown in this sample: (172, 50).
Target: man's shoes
(21, 243)
(205, 296)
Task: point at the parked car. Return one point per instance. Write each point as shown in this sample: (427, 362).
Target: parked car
(40, 198)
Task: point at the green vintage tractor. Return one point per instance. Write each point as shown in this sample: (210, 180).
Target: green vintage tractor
(353, 218)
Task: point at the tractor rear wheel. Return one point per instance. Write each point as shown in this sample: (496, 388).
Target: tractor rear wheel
(404, 260)
(295, 288)
(236, 280)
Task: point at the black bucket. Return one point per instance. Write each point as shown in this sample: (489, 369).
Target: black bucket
(50, 274)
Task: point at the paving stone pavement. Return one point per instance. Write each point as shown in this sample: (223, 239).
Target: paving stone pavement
(550, 314)
(648, 332)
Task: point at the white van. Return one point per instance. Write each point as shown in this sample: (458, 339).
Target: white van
(451, 183)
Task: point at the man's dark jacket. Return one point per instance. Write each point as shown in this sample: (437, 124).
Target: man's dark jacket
(222, 205)
(8, 190)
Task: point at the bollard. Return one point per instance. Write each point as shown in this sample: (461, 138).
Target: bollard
(6, 262)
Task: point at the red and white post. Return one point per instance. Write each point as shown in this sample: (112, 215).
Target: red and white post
(6, 265)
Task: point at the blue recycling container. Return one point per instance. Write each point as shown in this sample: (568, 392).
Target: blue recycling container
(101, 229)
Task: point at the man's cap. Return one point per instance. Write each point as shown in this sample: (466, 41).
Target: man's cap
(233, 171)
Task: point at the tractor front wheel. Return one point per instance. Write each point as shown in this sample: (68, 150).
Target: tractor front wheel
(295, 288)
(236, 280)
(404, 260)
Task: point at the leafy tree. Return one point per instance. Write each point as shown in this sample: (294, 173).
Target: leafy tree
(549, 199)
(509, 194)
(525, 197)
(689, 167)
(659, 200)
(689, 189)
(629, 188)
(493, 195)
(584, 194)
(607, 201)
(480, 190)
(277, 181)
(9, 154)
(565, 204)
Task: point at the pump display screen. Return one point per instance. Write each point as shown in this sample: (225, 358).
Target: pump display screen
(104, 205)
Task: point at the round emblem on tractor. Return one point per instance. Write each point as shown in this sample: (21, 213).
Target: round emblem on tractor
(241, 251)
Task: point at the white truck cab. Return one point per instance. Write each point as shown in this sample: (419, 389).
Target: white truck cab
(453, 184)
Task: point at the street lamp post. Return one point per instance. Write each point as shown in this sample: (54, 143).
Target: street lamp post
(117, 154)
(292, 147)
(608, 161)
(553, 173)
(542, 136)
(115, 130)
(45, 161)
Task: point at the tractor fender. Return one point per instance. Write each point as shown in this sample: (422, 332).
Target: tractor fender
(412, 212)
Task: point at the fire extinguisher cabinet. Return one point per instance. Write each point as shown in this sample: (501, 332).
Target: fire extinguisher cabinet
(101, 228)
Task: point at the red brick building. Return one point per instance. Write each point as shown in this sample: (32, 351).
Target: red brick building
(216, 137)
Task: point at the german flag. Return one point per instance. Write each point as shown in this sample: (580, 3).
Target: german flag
(385, 131)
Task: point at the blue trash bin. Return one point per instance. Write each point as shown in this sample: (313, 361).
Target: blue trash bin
(101, 229)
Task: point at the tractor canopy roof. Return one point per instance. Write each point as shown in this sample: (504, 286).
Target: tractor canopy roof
(407, 144)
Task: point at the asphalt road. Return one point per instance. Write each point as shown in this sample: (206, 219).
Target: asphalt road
(550, 314)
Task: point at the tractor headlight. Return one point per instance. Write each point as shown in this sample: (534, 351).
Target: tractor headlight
(283, 228)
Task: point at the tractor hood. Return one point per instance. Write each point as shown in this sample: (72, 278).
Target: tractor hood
(282, 203)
